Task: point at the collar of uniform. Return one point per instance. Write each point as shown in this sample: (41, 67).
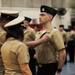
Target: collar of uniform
(11, 38)
(48, 30)
(26, 30)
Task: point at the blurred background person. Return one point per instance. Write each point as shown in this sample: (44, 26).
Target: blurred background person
(71, 43)
(64, 36)
(29, 35)
(36, 28)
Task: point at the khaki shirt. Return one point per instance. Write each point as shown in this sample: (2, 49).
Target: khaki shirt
(2, 40)
(70, 35)
(47, 52)
(29, 34)
(14, 53)
(64, 35)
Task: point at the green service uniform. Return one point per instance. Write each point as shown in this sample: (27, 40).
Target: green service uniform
(71, 44)
(29, 35)
(14, 53)
(2, 40)
(47, 53)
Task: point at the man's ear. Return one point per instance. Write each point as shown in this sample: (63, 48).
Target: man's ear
(51, 17)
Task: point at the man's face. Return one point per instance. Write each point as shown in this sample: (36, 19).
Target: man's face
(26, 23)
(61, 28)
(44, 17)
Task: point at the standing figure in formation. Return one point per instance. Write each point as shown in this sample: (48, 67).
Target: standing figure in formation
(64, 35)
(50, 49)
(71, 43)
(29, 35)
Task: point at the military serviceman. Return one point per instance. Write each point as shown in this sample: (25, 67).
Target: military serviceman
(29, 35)
(64, 35)
(71, 43)
(50, 50)
(14, 52)
(5, 17)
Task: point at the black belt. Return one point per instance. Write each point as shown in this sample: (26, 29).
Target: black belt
(49, 64)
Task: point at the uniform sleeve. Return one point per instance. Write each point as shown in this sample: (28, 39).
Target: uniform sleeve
(74, 35)
(33, 34)
(23, 54)
(65, 37)
(2, 37)
(58, 40)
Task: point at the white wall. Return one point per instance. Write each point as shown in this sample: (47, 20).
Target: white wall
(0, 3)
(32, 13)
(56, 21)
(65, 20)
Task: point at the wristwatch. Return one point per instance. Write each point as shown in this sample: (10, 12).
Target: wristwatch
(59, 70)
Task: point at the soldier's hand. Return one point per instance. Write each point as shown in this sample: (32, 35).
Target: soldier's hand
(45, 38)
(57, 73)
